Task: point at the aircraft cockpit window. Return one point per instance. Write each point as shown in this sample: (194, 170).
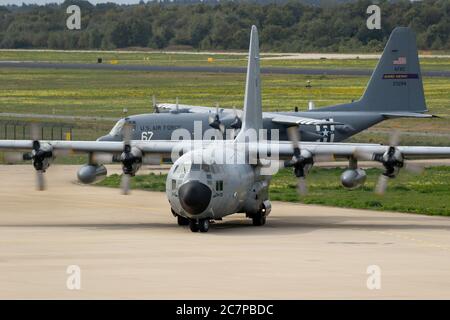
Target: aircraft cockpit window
(195, 167)
(219, 185)
(185, 168)
(117, 129)
(215, 168)
(182, 169)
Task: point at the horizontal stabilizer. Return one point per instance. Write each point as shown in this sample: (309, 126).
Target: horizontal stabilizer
(407, 115)
(293, 120)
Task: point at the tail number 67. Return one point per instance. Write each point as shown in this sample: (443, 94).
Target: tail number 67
(146, 135)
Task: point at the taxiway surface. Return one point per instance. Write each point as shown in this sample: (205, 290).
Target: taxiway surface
(131, 247)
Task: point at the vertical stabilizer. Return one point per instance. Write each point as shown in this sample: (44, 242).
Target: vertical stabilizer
(396, 84)
(252, 115)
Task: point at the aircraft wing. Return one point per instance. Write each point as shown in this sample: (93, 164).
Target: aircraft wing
(346, 150)
(160, 147)
(287, 120)
(283, 148)
(184, 108)
(407, 115)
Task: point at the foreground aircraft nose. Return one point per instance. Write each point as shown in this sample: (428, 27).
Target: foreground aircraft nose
(194, 197)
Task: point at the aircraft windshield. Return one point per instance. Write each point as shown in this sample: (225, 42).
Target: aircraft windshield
(117, 129)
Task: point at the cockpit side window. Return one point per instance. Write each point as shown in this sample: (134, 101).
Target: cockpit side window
(117, 129)
(185, 168)
(195, 167)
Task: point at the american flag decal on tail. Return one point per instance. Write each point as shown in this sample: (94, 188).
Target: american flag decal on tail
(400, 61)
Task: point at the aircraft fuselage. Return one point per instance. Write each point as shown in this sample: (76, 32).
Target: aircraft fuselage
(161, 126)
(207, 189)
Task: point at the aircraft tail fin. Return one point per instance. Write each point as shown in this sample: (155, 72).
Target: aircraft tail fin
(252, 114)
(396, 83)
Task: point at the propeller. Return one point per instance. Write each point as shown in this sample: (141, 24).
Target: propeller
(237, 122)
(154, 104)
(301, 161)
(131, 159)
(235, 125)
(392, 161)
(41, 156)
(214, 121)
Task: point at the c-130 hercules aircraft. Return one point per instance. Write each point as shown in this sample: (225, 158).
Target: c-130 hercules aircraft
(395, 90)
(214, 179)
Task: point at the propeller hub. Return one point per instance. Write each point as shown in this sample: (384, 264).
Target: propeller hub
(41, 156)
(131, 159)
(392, 160)
(301, 162)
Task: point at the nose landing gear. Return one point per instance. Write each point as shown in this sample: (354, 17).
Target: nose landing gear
(195, 225)
(201, 225)
(259, 219)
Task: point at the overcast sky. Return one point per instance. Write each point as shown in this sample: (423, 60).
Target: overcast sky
(19, 2)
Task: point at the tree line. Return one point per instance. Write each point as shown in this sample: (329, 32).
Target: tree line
(287, 26)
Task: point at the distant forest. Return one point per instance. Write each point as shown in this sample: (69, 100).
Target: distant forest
(287, 26)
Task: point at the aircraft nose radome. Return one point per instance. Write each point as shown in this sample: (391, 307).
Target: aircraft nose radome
(194, 197)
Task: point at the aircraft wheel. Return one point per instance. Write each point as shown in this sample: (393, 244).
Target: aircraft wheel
(203, 225)
(259, 219)
(193, 225)
(182, 221)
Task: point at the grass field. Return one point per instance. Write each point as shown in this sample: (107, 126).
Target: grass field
(200, 59)
(425, 194)
(107, 93)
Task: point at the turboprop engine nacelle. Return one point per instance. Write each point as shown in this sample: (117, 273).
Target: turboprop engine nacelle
(353, 178)
(91, 173)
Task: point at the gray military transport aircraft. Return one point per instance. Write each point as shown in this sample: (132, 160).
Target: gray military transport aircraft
(216, 178)
(395, 90)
